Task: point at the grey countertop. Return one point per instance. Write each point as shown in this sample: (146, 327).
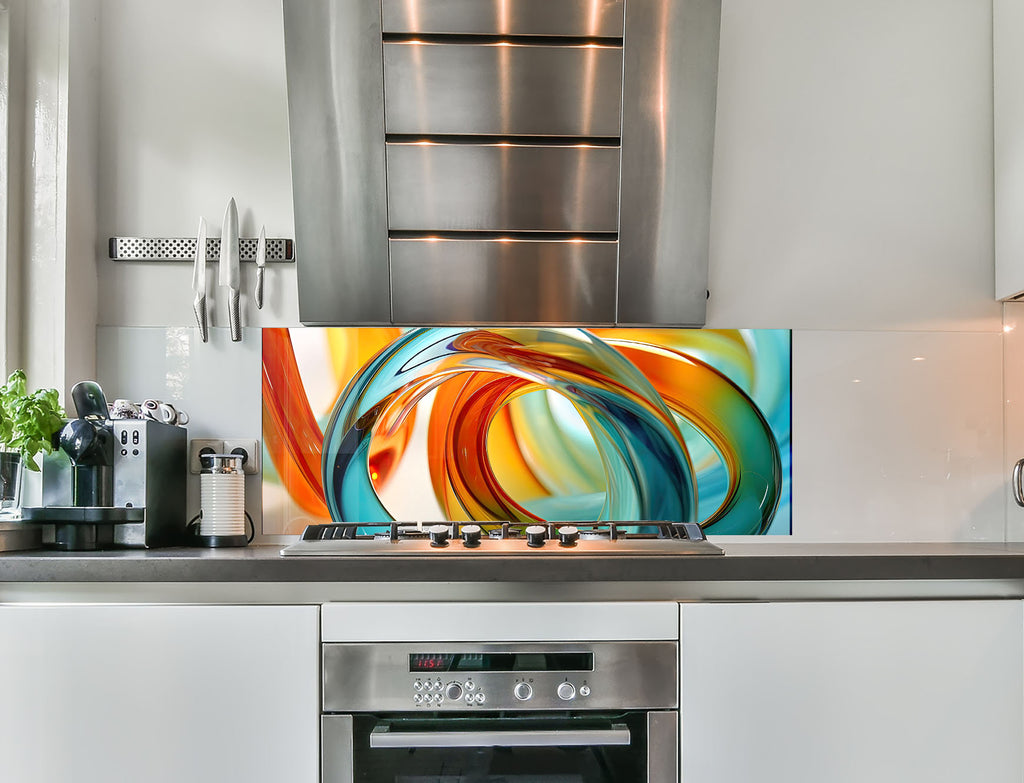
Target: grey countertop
(742, 562)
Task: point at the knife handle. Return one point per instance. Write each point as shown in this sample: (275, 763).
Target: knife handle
(258, 293)
(234, 317)
(199, 306)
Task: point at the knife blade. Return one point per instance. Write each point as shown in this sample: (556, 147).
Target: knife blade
(261, 262)
(229, 275)
(199, 281)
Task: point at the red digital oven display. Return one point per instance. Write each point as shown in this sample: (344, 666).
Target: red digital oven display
(502, 662)
(431, 662)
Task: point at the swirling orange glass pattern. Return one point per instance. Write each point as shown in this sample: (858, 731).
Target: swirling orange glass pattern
(532, 424)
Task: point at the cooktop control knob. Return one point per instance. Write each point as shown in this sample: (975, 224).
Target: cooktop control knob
(453, 691)
(471, 535)
(568, 535)
(566, 691)
(535, 535)
(522, 691)
(438, 535)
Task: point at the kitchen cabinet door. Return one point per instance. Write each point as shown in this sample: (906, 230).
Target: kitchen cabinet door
(852, 692)
(1008, 151)
(159, 694)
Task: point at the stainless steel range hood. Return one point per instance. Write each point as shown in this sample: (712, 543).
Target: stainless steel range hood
(502, 161)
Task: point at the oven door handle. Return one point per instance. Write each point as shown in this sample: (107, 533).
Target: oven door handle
(382, 737)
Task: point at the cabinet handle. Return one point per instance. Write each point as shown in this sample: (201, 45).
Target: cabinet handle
(1018, 488)
(382, 737)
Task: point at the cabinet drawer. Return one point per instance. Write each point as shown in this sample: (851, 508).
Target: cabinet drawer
(597, 18)
(502, 187)
(503, 281)
(502, 89)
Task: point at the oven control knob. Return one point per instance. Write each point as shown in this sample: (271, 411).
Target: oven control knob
(453, 691)
(522, 691)
(438, 535)
(568, 535)
(471, 535)
(535, 535)
(566, 691)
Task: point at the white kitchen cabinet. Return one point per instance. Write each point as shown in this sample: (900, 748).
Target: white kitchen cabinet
(1008, 151)
(159, 694)
(852, 692)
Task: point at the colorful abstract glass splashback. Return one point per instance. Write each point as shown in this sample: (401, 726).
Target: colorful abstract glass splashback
(520, 424)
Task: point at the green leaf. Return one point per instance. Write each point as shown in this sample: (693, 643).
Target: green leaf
(28, 421)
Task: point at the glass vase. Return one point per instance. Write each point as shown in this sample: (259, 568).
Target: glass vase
(11, 469)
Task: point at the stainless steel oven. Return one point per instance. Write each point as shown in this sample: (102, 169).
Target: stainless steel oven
(518, 712)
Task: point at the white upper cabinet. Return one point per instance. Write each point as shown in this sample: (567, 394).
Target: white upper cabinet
(1008, 130)
(853, 166)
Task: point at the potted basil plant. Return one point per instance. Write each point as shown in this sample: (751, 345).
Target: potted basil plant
(28, 423)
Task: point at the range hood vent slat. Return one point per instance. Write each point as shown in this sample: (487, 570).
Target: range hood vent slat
(449, 187)
(519, 17)
(507, 140)
(511, 236)
(459, 88)
(490, 39)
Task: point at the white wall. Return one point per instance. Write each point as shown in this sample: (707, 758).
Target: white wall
(852, 202)
(853, 166)
(194, 112)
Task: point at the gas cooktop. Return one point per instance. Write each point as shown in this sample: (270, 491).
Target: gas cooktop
(456, 539)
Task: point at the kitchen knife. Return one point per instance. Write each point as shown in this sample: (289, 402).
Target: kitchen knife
(229, 275)
(261, 262)
(199, 281)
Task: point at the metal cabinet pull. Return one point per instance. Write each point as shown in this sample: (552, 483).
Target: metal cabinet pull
(1018, 488)
(383, 737)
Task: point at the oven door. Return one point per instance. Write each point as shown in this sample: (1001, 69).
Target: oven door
(630, 747)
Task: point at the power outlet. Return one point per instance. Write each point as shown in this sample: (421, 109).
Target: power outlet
(250, 451)
(199, 446)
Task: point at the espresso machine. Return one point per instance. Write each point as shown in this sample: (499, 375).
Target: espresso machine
(113, 482)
